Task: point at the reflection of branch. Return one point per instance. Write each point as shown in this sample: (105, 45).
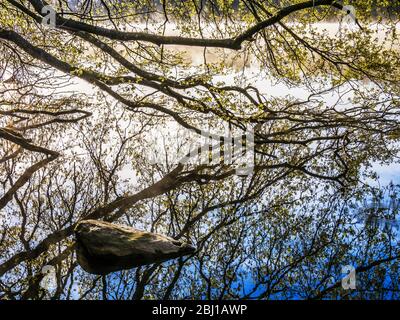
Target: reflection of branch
(231, 43)
(45, 112)
(55, 114)
(167, 183)
(34, 285)
(23, 179)
(16, 138)
(101, 81)
(56, 120)
(360, 269)
(10, 156)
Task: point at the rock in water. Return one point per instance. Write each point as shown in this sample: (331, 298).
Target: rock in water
(103, 247)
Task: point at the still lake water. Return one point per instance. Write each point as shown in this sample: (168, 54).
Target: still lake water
(295, 252)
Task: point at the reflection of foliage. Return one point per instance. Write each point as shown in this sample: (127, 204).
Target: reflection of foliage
(382, 209)
(79, 101)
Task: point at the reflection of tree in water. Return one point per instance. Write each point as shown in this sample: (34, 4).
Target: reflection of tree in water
(382, 209)
(285, 231)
